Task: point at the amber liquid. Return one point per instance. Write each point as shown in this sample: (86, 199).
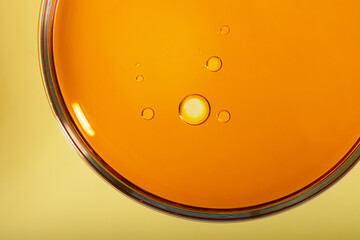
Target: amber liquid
(289, 79)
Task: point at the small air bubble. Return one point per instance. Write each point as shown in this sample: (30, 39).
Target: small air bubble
(140, 78)
(214, 64)
(148, 114)
(223, 116)
(225, 30)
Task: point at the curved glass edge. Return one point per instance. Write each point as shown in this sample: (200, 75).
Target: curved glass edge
(69, 129)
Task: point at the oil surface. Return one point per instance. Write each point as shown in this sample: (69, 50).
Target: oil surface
(289, 78)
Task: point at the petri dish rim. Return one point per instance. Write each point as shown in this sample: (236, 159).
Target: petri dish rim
(50, 81)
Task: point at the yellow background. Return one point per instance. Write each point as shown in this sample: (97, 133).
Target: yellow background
(48, 192)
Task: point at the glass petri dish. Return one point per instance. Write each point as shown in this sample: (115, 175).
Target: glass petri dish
(208, 110)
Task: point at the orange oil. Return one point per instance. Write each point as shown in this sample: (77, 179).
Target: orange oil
(289, 78)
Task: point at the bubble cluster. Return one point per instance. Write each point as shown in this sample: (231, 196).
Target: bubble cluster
(195, 109)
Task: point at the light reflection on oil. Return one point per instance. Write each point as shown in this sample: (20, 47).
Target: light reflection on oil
(194, 109)
(82, 119)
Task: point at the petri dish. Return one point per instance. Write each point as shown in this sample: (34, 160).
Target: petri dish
(207, 110)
